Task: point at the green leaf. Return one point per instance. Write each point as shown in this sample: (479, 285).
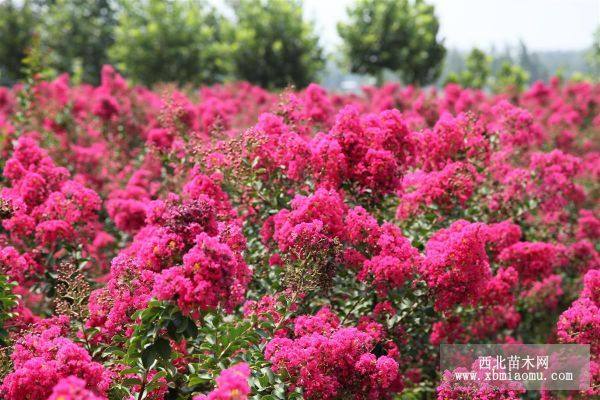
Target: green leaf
(162, 348)
(149, 356)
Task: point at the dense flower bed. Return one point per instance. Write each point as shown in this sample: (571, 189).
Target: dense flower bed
(230, 242)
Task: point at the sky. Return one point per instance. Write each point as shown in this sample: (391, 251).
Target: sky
(464, 24)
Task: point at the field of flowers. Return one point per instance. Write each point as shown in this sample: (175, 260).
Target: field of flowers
(233, 243)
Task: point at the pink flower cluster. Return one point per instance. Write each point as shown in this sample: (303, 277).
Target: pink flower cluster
(72, 388)
(313, 221)
(46, 356)
(368, 152)
(182, 254)
(211, 274)
(532, 260)
(47, 206)
(381, 253)
(232, 384)
(329, 361)
(580, 324)
(456, 265)
(455, 389)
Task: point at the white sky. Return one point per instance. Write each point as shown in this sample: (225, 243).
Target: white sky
(541, 24)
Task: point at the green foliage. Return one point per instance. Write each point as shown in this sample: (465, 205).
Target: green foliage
(476, 72)
(77, 34)
(182, 41)
(170, 41)
(8, 302)
(398, 35)
(148, 352)
(274, 45)
(593, 55)
(34, 70)
(17, 24)
(229, 340)
(215, 340)
(511, 78)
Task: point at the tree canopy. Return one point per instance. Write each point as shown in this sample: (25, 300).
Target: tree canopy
(77, 34)
(396, 35)
(172, 41)
(274, 45)
(17, 25)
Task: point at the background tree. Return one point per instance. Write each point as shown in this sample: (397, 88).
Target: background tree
(476, 72)
(274, 45)
(593, 55)
(398, 35)
(76, 34)
(170, 41)
(510, 79)
(17, 24)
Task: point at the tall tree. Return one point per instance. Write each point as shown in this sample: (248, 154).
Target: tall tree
(175, 41)
(17, 25)
(274, 45)
(77, 33)
(397, 35)
(593, 55)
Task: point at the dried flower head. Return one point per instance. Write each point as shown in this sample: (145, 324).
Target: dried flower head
(72, 291)
(6, 210)
(314, 268)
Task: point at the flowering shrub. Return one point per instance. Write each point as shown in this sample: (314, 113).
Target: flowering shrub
(233, 243)
(72, 388)
(232, 383)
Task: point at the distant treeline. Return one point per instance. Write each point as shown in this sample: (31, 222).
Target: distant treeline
(540, 65)
(265, 42)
